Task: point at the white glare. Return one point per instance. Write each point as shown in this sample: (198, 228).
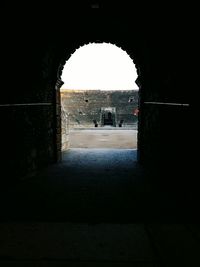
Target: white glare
(99, 66)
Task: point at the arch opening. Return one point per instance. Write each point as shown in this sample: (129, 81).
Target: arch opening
(98, 90)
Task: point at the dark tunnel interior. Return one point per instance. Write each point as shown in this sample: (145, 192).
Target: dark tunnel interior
(46, 196)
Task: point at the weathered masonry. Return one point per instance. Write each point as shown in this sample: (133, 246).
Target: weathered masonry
(155, 39)
(37, 38)
(98, 108)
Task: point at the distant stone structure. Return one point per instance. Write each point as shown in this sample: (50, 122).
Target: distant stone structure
(98, 108)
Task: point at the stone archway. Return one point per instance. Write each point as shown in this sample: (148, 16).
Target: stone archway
(157, 45)
(107, 117)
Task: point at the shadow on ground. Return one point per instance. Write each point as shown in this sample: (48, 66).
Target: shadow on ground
(96, 186)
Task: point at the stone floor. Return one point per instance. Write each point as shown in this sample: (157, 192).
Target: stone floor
(105, 137)
(78, 244)
(98, 208)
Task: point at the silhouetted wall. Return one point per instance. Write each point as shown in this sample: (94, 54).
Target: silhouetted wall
(37, 39)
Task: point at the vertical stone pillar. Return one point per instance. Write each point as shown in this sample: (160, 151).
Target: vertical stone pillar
(58, 132)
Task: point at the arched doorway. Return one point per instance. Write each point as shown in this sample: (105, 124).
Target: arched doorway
(108, 116)
(110, 110)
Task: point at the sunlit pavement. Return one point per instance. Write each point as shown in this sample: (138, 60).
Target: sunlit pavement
(103, 138)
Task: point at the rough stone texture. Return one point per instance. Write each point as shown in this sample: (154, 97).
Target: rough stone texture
(84, 106)
(30, 147)
(64, 129)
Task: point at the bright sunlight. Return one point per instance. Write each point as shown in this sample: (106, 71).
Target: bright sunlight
(99, 66)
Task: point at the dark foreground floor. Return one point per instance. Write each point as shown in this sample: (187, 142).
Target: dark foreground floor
(98, 208)
(97, 185)
(101, 245)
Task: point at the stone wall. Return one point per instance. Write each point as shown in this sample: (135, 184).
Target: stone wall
(29, 134)
(85, 107)
(64, 129)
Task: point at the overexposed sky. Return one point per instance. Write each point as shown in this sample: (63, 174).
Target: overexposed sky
(101, 66)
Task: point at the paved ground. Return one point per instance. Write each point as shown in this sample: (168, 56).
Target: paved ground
(103, 138)
(96, 185)
(97, 208)
(99, 245)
